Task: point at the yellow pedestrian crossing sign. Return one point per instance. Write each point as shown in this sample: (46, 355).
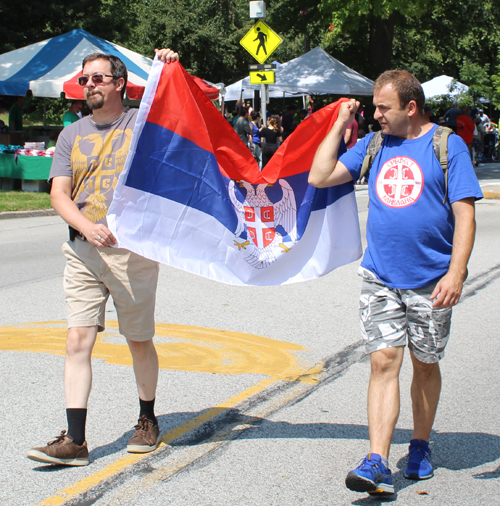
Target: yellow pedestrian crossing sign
(261, 41)
(264, 77)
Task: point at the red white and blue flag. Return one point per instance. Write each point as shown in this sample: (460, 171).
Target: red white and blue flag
(191, 194)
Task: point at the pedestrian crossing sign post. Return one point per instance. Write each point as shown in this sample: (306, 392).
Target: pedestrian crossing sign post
(264, 77)
(261, 41)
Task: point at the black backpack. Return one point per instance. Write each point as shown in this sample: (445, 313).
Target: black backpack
(439, 143)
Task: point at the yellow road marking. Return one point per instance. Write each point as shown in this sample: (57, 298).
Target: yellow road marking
(94, 479)
(177, 462)
(179, 347)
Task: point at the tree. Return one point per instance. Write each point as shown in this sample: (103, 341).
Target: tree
(495, 79)
(28, 22)
(206, 33)
(300, 23)
(460, 38)
(447, 36)
(372, 20)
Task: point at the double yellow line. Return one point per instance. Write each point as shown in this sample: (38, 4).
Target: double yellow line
(129, 460)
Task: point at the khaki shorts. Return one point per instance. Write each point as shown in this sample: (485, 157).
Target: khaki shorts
(92, 274)
(392, 317)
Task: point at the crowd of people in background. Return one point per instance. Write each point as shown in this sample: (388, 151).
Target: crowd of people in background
(473, 125)
(263, 138)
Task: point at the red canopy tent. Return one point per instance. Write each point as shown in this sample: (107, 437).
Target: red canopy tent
(74, 91)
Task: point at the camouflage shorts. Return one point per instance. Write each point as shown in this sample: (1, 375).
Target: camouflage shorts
(392, 317)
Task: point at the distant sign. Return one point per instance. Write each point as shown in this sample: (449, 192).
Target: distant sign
(261, 41)
(263, 77)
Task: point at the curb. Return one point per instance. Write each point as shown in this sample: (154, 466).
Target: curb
(27, 214)
(491, 195)
(491, 190)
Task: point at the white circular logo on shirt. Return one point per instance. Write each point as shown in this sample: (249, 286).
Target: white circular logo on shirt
(399, 182)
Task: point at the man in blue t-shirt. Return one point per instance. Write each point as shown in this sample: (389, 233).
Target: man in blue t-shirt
(414, 265)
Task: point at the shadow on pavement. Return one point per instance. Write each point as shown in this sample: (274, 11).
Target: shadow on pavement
(166, 422)
(450, 450)
(487, 171)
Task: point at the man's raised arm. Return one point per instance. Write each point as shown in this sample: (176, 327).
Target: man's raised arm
(326, 170)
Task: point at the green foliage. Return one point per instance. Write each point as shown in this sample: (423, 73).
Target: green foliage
(443, 103)
(26, 21)
(34, 107)
(459, 38)
(300, 23)
(351, 16)
(495, 84)
(477, 78)
(206, 33)
(496, 90)
(446, 36)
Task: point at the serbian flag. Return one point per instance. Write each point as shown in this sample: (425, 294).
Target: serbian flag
(191, 194)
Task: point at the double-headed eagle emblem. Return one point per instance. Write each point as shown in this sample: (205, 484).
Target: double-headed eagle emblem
(260, 217)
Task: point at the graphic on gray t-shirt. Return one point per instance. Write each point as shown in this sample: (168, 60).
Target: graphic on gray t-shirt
(94, 157)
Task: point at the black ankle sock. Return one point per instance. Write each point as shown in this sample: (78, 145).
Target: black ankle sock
(148, 410)
(76, 424)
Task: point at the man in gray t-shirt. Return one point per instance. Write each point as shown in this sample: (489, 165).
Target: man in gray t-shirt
(243, 127)
(89, 157)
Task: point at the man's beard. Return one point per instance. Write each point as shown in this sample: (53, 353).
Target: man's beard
(95, 100)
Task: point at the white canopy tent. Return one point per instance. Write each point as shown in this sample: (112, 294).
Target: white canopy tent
(240, 90)
(443, 85)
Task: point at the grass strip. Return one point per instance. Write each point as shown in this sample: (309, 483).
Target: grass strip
(23, 201)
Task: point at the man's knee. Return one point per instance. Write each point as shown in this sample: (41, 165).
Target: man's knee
(386, 361)
(80, 340)
(140, 349)
(424, 370)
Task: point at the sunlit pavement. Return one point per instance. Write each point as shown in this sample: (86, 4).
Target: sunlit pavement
(262, 391)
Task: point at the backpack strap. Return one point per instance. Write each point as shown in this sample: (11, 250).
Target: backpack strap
(371, 152)
(440, 145)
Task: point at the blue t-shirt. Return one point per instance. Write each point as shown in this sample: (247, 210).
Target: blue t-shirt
(409, 230)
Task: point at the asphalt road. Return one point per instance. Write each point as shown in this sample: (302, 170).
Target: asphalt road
(262, 391)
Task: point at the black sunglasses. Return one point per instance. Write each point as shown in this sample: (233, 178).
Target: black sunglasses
(96, 79)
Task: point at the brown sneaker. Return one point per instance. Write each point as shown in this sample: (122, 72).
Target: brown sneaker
(62, 451)
(146, 438)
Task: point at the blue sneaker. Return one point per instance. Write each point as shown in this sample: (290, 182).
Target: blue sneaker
(371, 476)
(419, 461)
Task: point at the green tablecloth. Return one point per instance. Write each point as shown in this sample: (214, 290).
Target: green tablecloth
(26, 167)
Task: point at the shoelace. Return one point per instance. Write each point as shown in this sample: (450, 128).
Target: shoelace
(418, 452)
(58, 439)
(378, 467)
(144, 424)
(365, 462)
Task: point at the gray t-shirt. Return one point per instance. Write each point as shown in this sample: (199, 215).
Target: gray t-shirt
(94, 156)
(243, 128)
